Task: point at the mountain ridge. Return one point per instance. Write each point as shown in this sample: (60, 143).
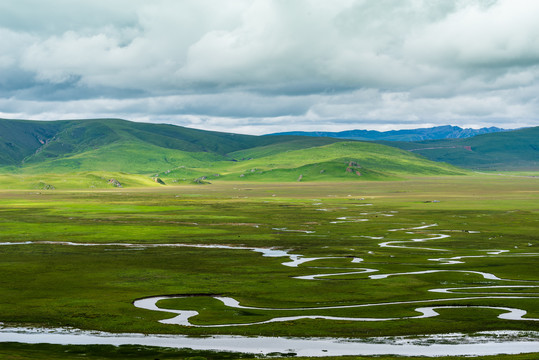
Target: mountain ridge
(513, 150)
(30, 141)
(419, 134)
(177, 154)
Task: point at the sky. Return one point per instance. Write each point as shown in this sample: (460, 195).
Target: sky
(264, 66)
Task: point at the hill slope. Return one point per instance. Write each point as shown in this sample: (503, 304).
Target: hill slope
(113, 146)
(118, 145)
(510, 150)
(438, 132)
(338, 161)
(23, 141)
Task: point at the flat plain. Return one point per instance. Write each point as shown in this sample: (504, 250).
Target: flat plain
(377, 250)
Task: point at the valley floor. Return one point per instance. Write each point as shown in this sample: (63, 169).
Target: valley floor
(424, 256)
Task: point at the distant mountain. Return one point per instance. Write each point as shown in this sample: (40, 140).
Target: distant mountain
(175, 154)
(438, 132)
(508, 150)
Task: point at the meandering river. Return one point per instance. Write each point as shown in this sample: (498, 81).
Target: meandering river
(460, 345)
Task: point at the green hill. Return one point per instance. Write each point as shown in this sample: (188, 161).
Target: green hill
(35, 141)
(337, 161)
(510, 150)
(20, 139)
(94, 151)
(116, 145)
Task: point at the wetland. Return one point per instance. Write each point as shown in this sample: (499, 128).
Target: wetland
(299, 262)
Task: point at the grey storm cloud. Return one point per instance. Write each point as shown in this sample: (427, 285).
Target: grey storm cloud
(264, 65)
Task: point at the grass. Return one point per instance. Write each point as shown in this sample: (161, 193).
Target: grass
(15, 351)
(93, 287)
(74, 181)
(134, 164)
(132, 157)
(361, 157)
(181, 155)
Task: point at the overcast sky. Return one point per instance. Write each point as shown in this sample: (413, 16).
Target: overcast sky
(261, 66)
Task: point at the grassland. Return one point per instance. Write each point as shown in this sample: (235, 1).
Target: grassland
(135, 164)
(76, 181)
(93, 287)
(79, 149)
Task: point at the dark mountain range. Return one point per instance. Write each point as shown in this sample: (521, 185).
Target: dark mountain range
(508, 150)
(434, 133)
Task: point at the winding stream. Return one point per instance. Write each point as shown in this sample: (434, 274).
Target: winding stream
(462, 346)
(507, 313)
(183, 316)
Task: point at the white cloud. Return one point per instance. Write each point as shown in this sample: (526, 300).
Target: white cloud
(504, 34)
(266, 64)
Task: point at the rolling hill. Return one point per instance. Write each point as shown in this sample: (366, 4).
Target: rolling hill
(341, 160)
(515, 150)
(37, 153)
(24, 142)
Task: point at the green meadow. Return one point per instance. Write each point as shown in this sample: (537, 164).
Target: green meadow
(86, 154)
(93, 287)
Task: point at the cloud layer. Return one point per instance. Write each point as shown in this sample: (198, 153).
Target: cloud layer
(272, 65)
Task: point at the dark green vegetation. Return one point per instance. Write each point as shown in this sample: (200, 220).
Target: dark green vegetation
(36, 141)
(481, 149)
(13, 351)
(114, 145)
(437, 132)
(16, 351)
(88, 153)
(511, 150)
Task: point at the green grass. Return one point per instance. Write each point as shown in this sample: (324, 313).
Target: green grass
(93, 287)
(181, 155)
(331, 162)
(279, 148)
(364, 153)
(35, 141)
(135, 158)
(75, 144)
(224, 215)
(82, 180)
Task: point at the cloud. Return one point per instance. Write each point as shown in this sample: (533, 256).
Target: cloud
(502, 35)
(267, 64)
